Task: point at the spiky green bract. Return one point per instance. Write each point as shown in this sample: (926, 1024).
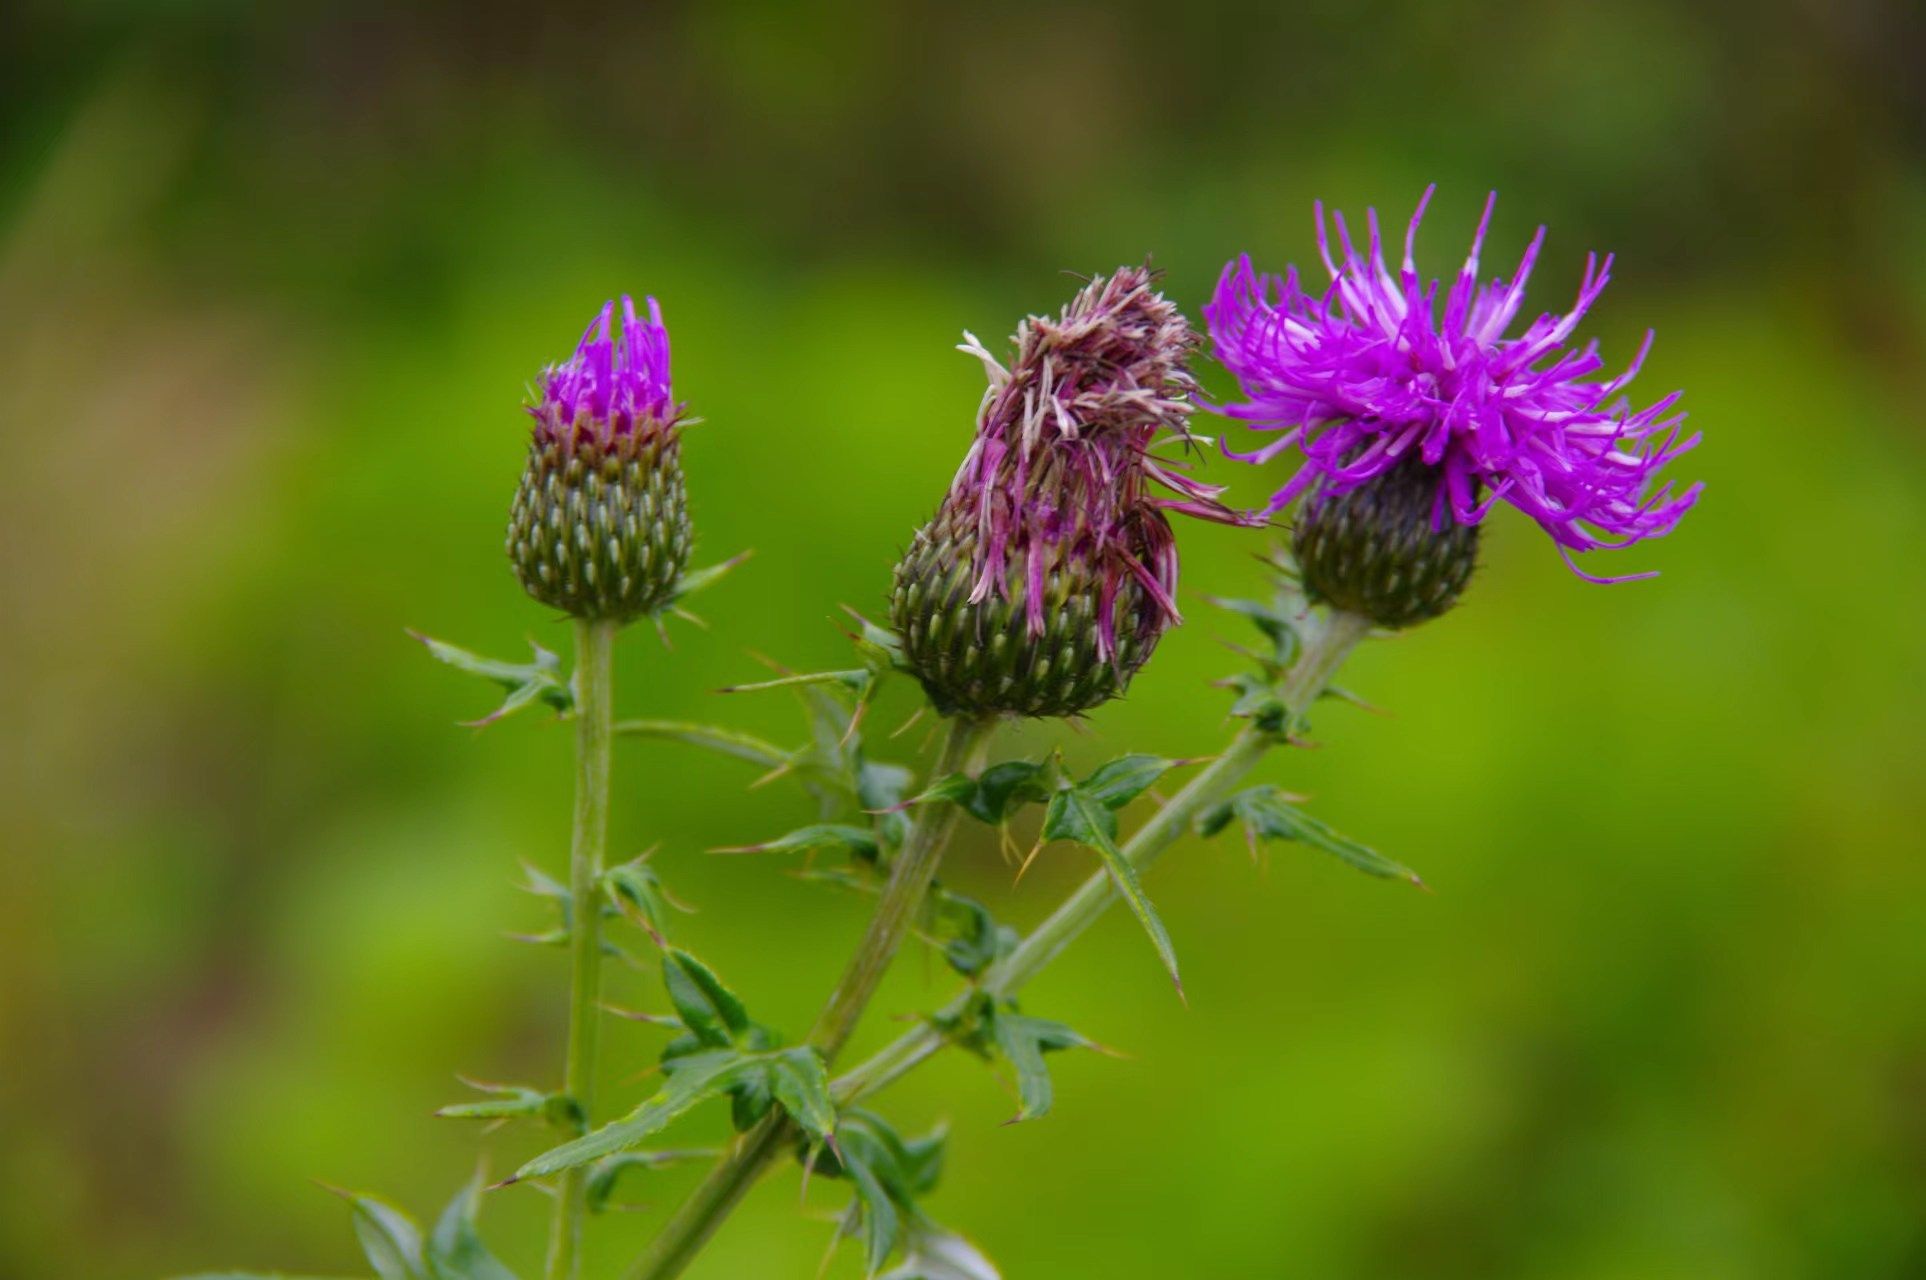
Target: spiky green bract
(984, 656)
(601, 529)
(1380, 551)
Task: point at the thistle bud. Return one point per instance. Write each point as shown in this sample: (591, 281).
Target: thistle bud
(1049, 572)
(1387, 549)
(600, 525)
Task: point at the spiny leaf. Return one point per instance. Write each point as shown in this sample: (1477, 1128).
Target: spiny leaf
(1024, 1040)
(855, 680)
(504, 1101)
(455, 1249)
(636, 888)
(599, 1187)
(1075, 815)
(800, 1082)
(977, 940)
(701, 579)
(1124, 779)
(710, 1011)
(997, 792)
(526, 682)
(1267, 815)
(859, 841)
(728, 742)
(695, 1080)
(389, 1237)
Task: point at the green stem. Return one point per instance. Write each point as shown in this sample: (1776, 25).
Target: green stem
(594, 646)
(909, 881)
(1323, 653)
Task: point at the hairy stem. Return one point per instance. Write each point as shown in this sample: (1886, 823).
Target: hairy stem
(594, 646)
(1324, 651)
(909, 881)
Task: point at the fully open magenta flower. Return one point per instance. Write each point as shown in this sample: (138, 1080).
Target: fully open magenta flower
(1050, 569)
(1368, 375)
(600, 525)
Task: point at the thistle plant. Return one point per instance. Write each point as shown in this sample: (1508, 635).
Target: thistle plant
(1039, 589)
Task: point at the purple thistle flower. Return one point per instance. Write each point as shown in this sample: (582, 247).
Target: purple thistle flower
(1367, 374)
(612, 386)
(1061, 459)
(1049, 571)
(600, 524)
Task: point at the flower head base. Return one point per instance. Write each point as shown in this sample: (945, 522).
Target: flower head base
(1049, 572)
(600, 524)
(1368, 374)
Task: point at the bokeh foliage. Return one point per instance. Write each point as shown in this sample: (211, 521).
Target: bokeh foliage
(271, 281)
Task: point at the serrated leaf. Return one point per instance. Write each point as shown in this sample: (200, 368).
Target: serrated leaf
(455, 1249)
(710, 1011)
(728, 742)
(858, 841)
(1075, 815)
(389, 1238)
(695, 1080)
(1267, 816)
(1124, 779)
(526, 682)
(800, 1082)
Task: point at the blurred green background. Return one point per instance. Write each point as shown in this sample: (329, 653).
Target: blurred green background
(272, 280)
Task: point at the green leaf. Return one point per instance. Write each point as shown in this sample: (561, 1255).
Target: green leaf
(1124, 779)
(877, 1217)
(455, 1249)
(701, 579)
(977, 941)
(932, 1253)
(800, 1082)
(728, 742)
(389, 1238)
(859, 841)
(856, 680)
(599, 1187)
(1023, 1041)
(504, 1101)
(636, 889)
(1076, 815)
(1268, 816)
(526, 682)
(710, 1011)
(1004, 788)
(695, 1080)
(998, 791)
